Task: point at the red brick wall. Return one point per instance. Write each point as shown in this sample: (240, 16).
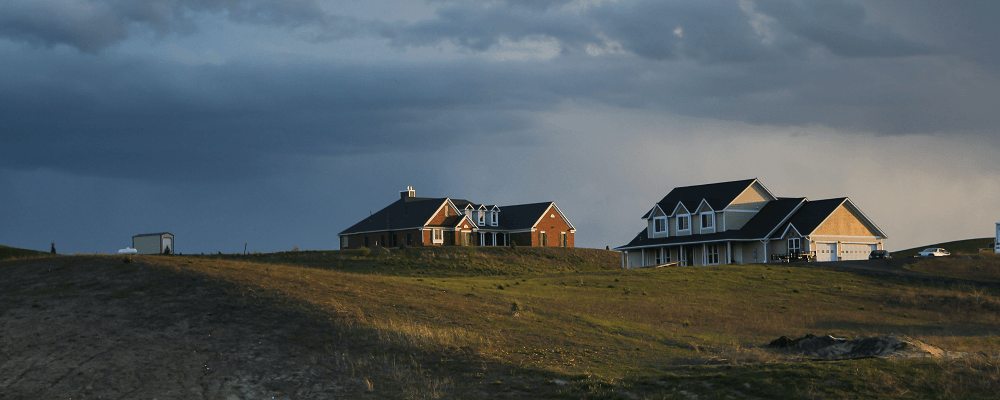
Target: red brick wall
(553, 227)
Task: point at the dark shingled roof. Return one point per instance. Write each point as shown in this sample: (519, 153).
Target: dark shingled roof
(718, 195)
(811, 214)
(755, 229)
(521, 216)
(415, 211)
(770, 216)
(412, 212)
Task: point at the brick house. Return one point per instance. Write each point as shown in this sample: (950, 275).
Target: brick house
(742, 222)
(421, 221)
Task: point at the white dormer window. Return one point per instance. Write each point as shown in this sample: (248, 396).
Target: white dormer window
(493, 219)
(659, 224)
(683, 222)
(482, 218)
(707, 220)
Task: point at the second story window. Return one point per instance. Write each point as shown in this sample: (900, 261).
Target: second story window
(493, 218)
(684, 223)
(660, 225)
(707, 220)
(482, 218)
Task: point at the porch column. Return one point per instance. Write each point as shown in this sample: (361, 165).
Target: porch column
(729, 252)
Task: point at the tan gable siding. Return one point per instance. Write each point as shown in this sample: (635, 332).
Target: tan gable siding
(736, 220)
(753, 198)
(843, 222)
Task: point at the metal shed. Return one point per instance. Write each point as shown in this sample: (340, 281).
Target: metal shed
(154, 243)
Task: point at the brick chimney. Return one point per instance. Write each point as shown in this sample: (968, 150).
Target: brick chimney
(408, 193)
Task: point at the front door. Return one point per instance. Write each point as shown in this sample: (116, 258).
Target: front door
(689, 255)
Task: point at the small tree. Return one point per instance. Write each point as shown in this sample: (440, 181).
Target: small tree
(166, 250)
(53, 251)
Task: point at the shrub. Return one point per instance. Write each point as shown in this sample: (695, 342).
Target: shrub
(53, 251)
(515, 307)
(126, 259)
(364, 251)
(296, 248)
(166, 250)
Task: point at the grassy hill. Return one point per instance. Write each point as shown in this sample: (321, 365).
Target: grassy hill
(484, 323)
(7, 253)
(967, 246)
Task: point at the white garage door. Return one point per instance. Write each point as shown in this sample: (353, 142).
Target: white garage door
(826, 252)
(856, 251)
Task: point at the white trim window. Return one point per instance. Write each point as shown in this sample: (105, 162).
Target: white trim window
(794, 245)
(683, 223)
(711, 254)
(659, 224)
(659, 256)
(482, 218)
(344, 242)
(707, 220)
(493, 218)
(438, 236)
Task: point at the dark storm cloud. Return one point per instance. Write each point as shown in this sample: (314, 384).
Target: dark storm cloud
(123, 118)
(91, 25)
(840, 27)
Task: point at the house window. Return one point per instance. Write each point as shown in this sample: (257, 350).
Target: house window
(659, 224)
(493, 218)
(707, 220)
(395, 240)
(438, 236)
(409, 239)
(666, 254)
(482, 218)
(684, 223)
(793, 245)
(542, 239)
(711, 254)
(344, 242)
(563, 239)
(658, 258)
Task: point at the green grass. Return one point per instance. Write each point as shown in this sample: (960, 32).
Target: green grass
(603, 332)
(967, 246)
(978, 267)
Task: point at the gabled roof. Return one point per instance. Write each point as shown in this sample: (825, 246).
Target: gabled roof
(811, 215)
(770, 216)
(814, 213)
(718, 195)
(406, 213)
(522, 216)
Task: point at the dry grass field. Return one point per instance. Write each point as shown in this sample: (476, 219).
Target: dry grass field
(540, 323)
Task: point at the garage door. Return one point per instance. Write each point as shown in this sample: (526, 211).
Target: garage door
(826, 252)
(856, 251)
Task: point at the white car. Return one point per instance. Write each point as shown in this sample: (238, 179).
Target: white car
(933, 252)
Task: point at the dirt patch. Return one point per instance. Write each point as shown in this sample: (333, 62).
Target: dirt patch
(831, 348)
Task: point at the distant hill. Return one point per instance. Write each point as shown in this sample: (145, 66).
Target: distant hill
(7, 253)
(967, 246)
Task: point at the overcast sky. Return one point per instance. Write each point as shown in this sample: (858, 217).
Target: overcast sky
(279, 123)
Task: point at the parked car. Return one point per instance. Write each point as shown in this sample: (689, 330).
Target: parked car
(879, 254)
(933, 252)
